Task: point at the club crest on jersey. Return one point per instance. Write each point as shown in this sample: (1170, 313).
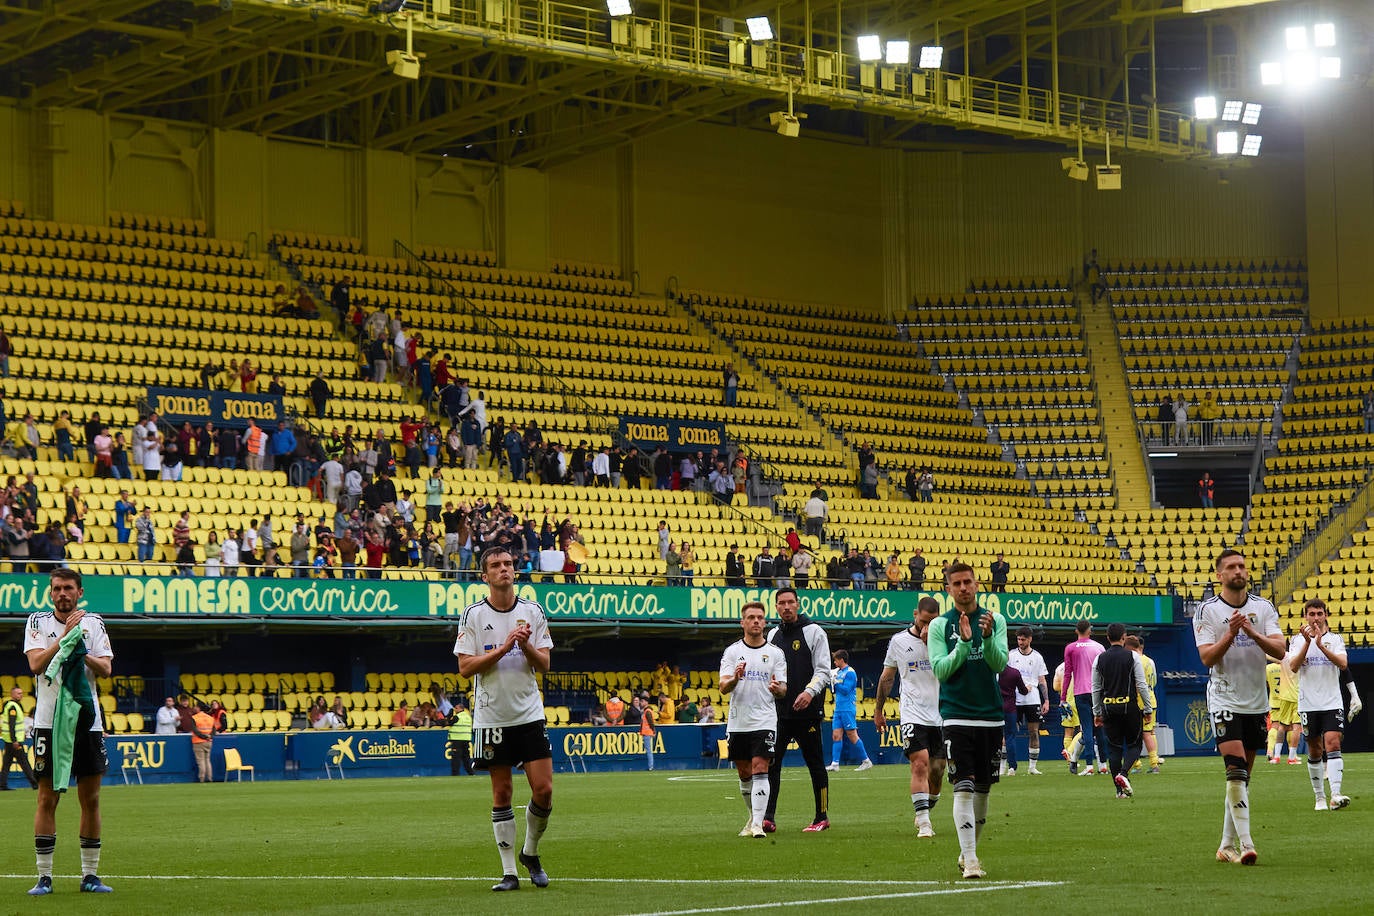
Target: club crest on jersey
(796, 645)
(764, 657)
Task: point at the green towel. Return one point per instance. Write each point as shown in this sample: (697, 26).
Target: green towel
(75, 706)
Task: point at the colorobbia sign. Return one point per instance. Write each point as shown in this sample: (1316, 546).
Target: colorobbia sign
(361, 599)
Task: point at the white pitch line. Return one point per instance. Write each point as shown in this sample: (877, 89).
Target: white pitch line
(556, 878)
(966, 889)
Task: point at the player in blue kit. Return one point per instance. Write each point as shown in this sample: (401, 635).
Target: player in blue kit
(845, 724)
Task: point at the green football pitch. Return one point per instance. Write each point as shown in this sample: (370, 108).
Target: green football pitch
(665, 842)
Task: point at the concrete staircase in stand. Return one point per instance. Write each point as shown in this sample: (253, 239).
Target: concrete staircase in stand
(1131, 477)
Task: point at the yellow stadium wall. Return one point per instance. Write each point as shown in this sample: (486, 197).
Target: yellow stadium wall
(1016, 214)
(749, 211)
(717, 208)
(1340, 200)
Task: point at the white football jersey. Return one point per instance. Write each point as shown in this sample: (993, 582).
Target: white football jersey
(506, 694)
(1319, 686)
(753, 708)
(1032, 668)
(42, 632)
(1237, 682)
(920, 697)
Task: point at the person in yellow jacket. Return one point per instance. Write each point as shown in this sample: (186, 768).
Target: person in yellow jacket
(460, 739)
(12, 734)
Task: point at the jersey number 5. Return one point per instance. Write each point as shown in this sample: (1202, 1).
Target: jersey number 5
(40, 745)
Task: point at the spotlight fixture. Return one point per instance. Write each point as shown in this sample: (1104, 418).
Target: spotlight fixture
(1076, 169)
(1231, 110)
(1251, 145)
(1329, 68)
(1252, 113)
(787, 123)
(760, 29)
(898, 53)
(1205, 108)
(870, 48)
(1324, 35)
(1271, 73)
(619, 8)
(931, 57)
(1228, 142)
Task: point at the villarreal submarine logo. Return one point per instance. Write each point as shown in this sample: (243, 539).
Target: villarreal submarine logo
(1197, 725)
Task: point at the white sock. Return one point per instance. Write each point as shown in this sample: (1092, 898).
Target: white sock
(1228, 826)
(759, 798)
(43, 847)
(964, 825)
(980, 813)
(1316, 772)
(920, 802)
(1238, 798)
(1335, 769)
(536, 822)
(90, 856)
(503, 826)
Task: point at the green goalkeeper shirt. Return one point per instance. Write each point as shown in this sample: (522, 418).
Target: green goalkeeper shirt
(967, 670)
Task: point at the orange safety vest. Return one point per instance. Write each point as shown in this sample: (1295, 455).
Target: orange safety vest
(254, 440)
(646, 722)
(205, 724)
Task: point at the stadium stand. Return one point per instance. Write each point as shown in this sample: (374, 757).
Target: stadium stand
(1017, 354)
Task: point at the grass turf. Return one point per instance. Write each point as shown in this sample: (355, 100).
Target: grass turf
(622, 843)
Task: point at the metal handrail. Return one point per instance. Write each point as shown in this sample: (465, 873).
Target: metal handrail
(818, 72)
(598, 424)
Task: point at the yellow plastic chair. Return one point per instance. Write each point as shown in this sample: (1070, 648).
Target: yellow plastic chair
(233, 763)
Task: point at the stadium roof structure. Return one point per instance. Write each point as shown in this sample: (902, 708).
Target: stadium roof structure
(537, 82)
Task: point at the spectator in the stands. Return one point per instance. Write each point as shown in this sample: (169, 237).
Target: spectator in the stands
(601, 466)
(578, 464)
(229, 554)
(62, 436)
(1368, 411)
(152, 456)
(496, 444)
(281, 301)
(672, 563)
(340, 296)
(92, 429)
(282, 447)
(6, 351)
(248, 377)
(763, 568)
(305, 304)
(124, 507)
(1209, 412)
(1207, 490)
(332, 477)
(1180, 421)
(476, 407)
(213, 552)
(689, 562)
(1165, 415)
(276, 387)
(119, 459)
(146, 532)
(104, 453)
(615, 461)
(399, 353)
(734, 568)
(815, 512)
(470, 435)
(255, 443)
(424, 375)
(319, 395)
(722, 483)
(730, 381)
(739, 469)
(1001, 571)
(377, 355)
(917, 567)
(227, 451)
(632, 469)
(869, 485)
(663, 469)
(515, 453)
(300, 551)
(27, 439)
(802, 561)
(206, 446)
(926, 484)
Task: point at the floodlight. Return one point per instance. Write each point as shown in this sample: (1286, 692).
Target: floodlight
(1205, 108)
(932, 56)
(1109, 178)
(404, 64)
(1329, 68)
(1252, 113)
(1324, 35)
(1076, 169)
(1300, 70)
(1231, 110)
(760, 29)
(1271, 73)
(1228, 142)
(1295, 38)
(1251, 146)
(898, 52)
(619, 8)
(870, 48)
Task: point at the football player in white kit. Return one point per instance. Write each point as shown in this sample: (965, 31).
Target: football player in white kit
(1236, 634)
(503, 645)
(922, 741)
(753, 673)
(1318, 656)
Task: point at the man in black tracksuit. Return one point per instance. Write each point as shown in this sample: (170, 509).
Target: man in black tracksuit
(1118, 679)
(799, 712)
